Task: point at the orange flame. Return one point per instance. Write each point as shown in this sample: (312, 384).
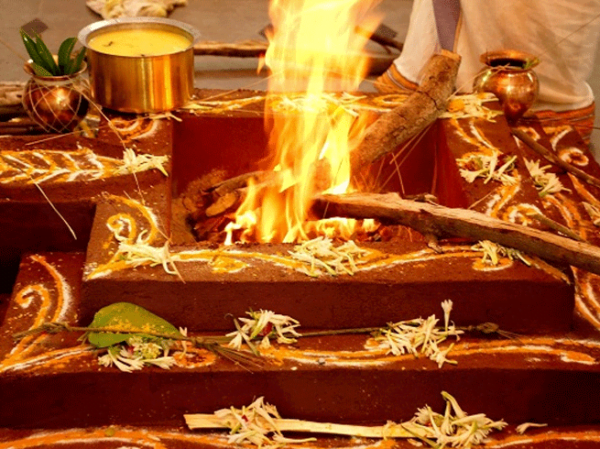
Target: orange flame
(314, 49)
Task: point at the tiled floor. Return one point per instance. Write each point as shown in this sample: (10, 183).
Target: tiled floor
(222, 20)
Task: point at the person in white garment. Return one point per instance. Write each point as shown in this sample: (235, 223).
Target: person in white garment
(563, 34)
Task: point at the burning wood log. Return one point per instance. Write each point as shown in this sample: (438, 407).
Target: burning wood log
(223, 204)
(443, 221)
(384, 136)
(228, 193)
(239, 182)
(420, 110)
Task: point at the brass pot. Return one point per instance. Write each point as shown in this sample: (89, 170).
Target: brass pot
(56, 103)
(509, 75)
(141, 83)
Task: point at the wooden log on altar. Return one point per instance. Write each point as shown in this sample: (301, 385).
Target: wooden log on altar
(443, 221)
(378, 62)
(241, 49)
(10, 103)
(420, 110)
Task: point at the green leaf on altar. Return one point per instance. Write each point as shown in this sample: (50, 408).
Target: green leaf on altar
(131, 319)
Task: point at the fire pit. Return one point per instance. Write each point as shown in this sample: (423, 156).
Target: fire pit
(392, 279)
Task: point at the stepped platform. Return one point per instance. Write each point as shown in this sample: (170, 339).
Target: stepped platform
(549, 372)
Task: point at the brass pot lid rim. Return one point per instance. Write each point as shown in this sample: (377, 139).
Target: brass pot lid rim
(517, 55)
(86, 32)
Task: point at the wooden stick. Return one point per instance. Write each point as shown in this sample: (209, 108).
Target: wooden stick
(242, 49)
(419, 110)
(378, 62)
(203, 421)
(556, 226)
(21, 130)
(24, 127)
(551, 157)
(440, 220)
(9, 112)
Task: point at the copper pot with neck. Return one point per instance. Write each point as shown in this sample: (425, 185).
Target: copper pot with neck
(509, 75)
(56, 103)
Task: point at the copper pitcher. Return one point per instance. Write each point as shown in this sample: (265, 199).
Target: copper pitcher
(509, 75)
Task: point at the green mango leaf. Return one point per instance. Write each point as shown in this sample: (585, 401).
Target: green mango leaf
(75, 64)
(39, 70)
(31, 48)
(49, 63)
(64, 54)
(130, 318)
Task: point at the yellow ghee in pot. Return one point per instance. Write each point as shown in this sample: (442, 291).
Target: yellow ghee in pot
(139, 42)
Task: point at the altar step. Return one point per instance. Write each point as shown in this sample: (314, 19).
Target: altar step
(553, 379)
